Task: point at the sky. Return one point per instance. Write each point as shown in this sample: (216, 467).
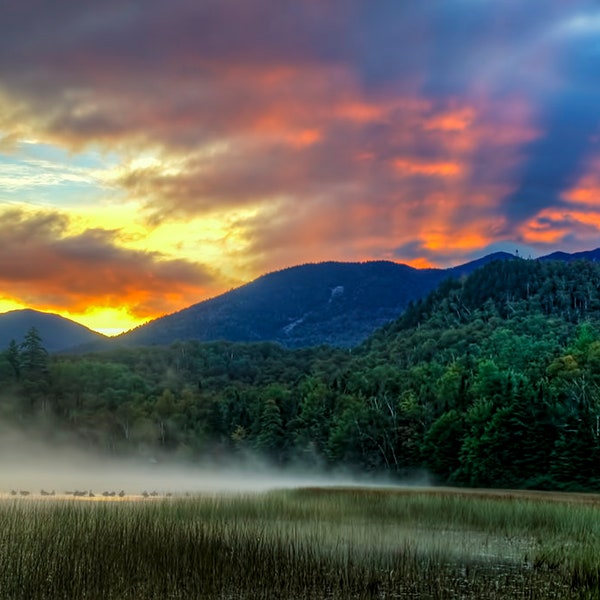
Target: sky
(157, 153)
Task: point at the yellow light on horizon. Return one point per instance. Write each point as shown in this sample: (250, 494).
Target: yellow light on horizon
(7, 305)
(108, 321)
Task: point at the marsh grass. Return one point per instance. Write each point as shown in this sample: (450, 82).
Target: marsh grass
(305, 543)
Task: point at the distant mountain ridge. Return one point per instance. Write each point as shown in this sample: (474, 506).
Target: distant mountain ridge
(338, 304)
(591, 255)
(333, 303)
(57, 333)
(326, 303)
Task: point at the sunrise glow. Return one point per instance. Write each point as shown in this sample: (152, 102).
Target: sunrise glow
(147, 165)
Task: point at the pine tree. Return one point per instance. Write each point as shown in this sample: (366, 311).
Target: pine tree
(34, 369)
(14, 358)
(34, 357)
(270, 437)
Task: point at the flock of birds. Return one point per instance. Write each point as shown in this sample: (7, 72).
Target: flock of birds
(88, 494)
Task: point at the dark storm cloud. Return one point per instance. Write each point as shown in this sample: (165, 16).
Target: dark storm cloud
(570, 120)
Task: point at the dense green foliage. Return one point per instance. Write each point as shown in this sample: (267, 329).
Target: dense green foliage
(304, 543)
(492, 380)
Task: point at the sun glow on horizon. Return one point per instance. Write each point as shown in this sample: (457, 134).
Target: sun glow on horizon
(107, 321)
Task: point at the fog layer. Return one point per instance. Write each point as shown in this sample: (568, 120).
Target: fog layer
(31, 465)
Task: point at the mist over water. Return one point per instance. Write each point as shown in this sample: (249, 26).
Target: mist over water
(29, 464)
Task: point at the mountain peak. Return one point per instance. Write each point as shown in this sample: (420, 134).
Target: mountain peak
(469, 267)
(57, 333)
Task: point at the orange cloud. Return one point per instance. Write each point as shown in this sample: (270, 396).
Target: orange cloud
(554, 226)
(586, 194)
(43, 265)
(328, 170)
(587, 189)
(436, 169)
(420, 263)
(360, 112)
(455, 240)
(453, 120)
(305, 155)
(306, 137)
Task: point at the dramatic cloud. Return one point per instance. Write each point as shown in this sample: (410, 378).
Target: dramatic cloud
(43, 265)
(323, 129)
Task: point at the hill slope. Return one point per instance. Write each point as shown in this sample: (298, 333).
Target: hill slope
(328, 303)
(503, 367)
(339, 304)
(57, 333)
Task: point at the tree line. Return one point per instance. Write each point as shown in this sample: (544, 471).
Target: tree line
(492, 380)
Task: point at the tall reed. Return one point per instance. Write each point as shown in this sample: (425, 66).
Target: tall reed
(314, 543)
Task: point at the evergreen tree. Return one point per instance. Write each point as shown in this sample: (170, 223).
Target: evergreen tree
(312, 425)
(270, 437)
(576, 456)
(34, 357)
(13, 356)
(443, 443)
(34, 369)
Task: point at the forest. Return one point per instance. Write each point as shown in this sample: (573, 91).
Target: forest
(492, 380)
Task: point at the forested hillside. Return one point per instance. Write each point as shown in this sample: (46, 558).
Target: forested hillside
(333, 303)
(492, 380)
(338, 304)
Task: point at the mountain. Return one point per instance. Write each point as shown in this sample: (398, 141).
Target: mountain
(57, 333)
(591, 255)
(559, 289)
(333, 303)
(468, 268)
(328, 303)
(338, 304)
